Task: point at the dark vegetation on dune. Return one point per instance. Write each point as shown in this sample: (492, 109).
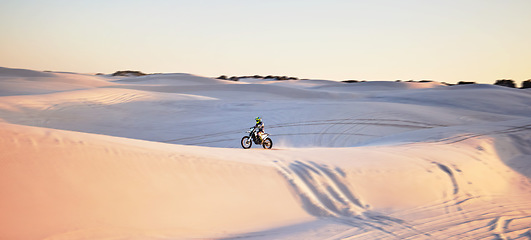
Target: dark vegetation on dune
(129, 73)
(268, 77)
(526, 83)
(501, 82)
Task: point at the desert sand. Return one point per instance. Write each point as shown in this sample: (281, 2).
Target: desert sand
(159, 157)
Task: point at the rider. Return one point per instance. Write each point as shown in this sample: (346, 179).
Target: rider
(259, 128)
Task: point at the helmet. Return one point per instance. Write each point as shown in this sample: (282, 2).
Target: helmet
(258, 119)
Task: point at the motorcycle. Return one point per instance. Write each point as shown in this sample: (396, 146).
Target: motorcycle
(247, 141)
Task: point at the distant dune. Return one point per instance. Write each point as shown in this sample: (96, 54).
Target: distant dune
(159, 157)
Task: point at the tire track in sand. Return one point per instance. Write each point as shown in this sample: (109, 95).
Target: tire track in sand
(324, 194)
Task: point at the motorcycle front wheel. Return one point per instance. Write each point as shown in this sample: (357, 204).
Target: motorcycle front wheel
(246, 142)
(268, 143)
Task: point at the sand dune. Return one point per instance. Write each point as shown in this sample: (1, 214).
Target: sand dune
(158, 157)
(92, 183)
(28, 82)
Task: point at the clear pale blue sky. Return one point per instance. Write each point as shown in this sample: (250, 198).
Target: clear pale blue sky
(443, 40)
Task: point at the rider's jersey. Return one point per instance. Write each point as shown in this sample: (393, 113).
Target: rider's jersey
(259, 126)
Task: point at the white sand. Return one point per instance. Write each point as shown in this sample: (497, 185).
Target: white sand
(158, 157)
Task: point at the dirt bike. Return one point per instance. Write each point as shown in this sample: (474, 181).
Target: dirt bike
(247, 141)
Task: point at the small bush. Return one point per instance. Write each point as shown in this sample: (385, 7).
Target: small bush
(506, 83)
(465, 83)
(268, 77)
(128, 73)
(526, 83)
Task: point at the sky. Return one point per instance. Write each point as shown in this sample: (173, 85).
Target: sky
(446, 41)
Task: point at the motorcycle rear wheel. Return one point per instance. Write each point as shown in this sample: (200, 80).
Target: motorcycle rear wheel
(268, 143)
(246, 142)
